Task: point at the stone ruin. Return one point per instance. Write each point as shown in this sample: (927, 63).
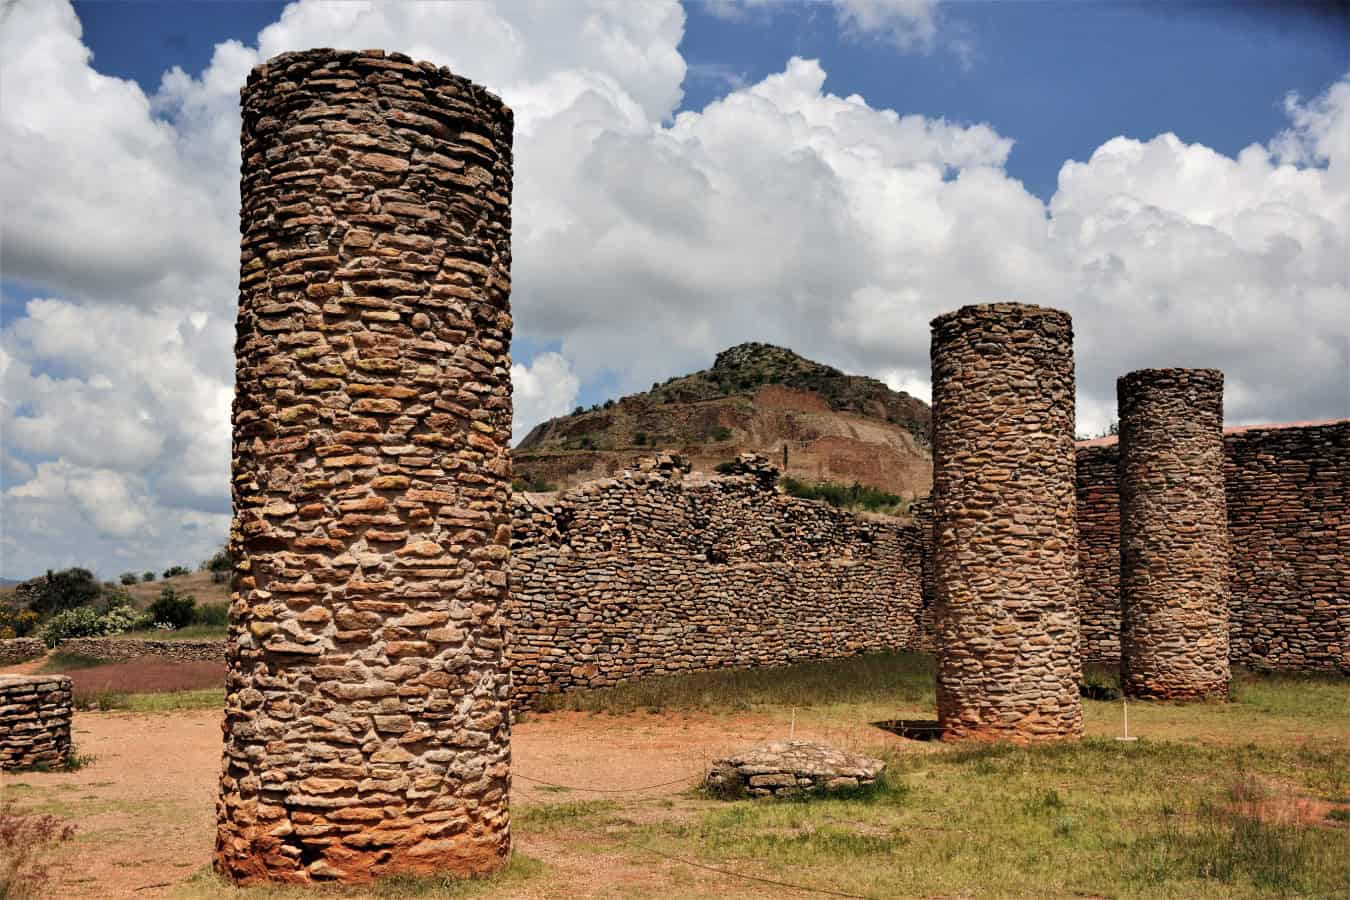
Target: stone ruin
(1173, 535)
(791, 769)
(366, 721)
(1005, 548)
(35, 715)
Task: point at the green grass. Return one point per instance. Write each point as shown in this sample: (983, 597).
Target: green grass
(883, 679)
(60, 661)
(853, 496)
(159, 702)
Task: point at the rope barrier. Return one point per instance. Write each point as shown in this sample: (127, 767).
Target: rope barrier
(568, 787)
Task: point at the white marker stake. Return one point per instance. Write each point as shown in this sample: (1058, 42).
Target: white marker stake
(793, 733)
(1125, 710)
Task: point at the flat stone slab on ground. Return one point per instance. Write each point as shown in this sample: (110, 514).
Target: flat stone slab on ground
(792, 768)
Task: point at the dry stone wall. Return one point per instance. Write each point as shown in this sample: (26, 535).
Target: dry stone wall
(34, 720)
(366, 725)
(1173, 535)
(656, 573)
(1004, 529)
(1289, 535)
(119, 649)
(17, 650)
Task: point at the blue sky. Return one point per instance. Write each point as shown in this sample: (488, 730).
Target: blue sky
(827, 176)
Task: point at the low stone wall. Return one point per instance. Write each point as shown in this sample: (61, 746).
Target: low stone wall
(34, 720)
(1289, 530)
(652, 573)
(17, 650)
(119, 649)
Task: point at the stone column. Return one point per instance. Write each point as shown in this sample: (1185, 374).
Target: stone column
(366, 727)
(1173, 534)
(1005, 555)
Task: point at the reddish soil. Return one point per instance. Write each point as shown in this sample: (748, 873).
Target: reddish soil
(145, 805)
(146, 675)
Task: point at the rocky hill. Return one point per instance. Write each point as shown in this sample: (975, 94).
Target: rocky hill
(756, 397)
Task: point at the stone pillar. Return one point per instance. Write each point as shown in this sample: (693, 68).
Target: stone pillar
(366, 727)
(1005, 555)
(1173, 534)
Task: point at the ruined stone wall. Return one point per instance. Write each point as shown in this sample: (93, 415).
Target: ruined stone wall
(1173, 535)
(1289, 534)
(17, 650)
(34, 720)
(1004, 529)
(922, 513)
(119, 649)
(366, 726)
(655, 573)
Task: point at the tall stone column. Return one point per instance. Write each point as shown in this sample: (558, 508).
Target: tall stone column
(1173, 534)
(366, 727)
(1006, 605)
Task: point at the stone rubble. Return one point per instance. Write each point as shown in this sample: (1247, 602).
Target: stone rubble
(791, 769)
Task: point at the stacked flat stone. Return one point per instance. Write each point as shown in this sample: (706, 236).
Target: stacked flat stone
(17, 650)
(1173, 535)
(34, 721)
(119, 649)
(1098, 496)
(1289, 525)
(366, 726)
(791, 769)
(657, 572)
(1006, 577)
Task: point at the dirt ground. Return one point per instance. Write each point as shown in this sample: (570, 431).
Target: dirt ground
(145, 805)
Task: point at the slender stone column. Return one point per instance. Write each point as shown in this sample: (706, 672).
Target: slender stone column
(366, 727)
(1005, 556)
(1173, 534)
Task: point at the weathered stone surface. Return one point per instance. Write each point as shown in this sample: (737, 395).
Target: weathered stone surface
(371, 477)
(1005, 570)
(656, 573)
(17, 650)
(1173, 535)
(117, 649)
(1289, 564)
(35, 715)
(790, 769)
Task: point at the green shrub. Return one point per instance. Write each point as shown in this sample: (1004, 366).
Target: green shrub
(174, 571)
(148, 577)
(17, 622)
(58, 591)
(578, 411)
(129, 578)
(221, 562)
(854, 496)
(639, 438)
(121, 618)
(725, 468)
(217, 614)
(720, 433)
(172, 608)
(82, 621)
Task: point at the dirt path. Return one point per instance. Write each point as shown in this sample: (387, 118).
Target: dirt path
(145, 806)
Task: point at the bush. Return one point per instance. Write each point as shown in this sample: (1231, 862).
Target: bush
(720, 433)
(23, 837)
(129, 578)
(214, 614)
(58, 591)
(524, 482)
(174, 571)
(726, 468)
(83, 621)
(17, 622)
(221, 562)
(148, 577)
(578, 411)
(122, 618)
(173, 608)
(640, 438)
(857, 496)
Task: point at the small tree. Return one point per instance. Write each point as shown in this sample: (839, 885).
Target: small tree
(62, 590)
(173, 608)
(174, 571)
(128, 578)
(148, 577)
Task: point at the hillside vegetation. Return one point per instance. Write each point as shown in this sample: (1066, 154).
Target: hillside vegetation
(835, 427)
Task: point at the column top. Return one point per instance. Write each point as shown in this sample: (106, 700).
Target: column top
(1001, 311)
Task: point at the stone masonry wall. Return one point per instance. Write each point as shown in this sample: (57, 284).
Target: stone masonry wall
(34, 720)
(1004, 529)
(1289, 533)
(17, 650)
(1173, 535)
(366, 722)
(653, 573)
(118, 649)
